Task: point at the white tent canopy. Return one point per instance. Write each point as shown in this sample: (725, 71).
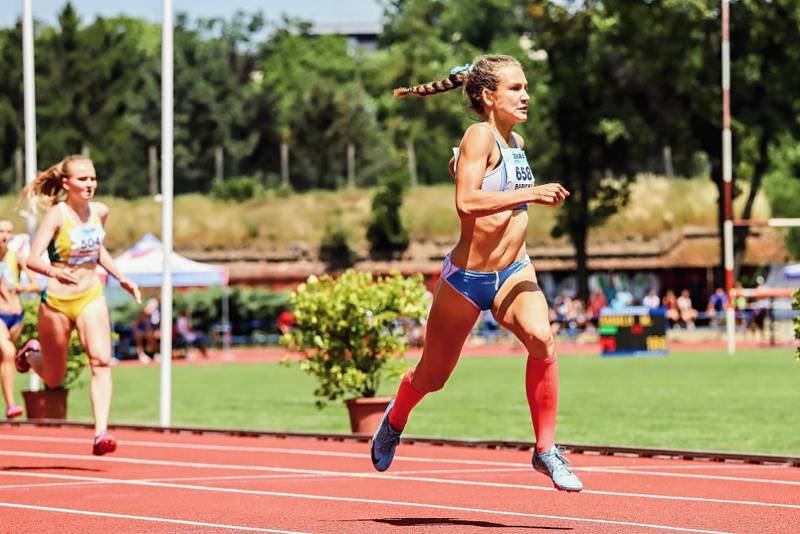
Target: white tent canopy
(792, 272)
(143, 264)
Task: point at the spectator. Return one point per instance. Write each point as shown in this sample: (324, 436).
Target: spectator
(671, 304)
(686, 310)
(193, 338)
(716, 305)
(145, 330)
(597, 301)
(285, 321)
(622, 299)
(651, 300)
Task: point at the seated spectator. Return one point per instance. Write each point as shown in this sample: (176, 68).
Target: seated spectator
(686, 310)
(716, 305)
(651, 300)
(285, 321)
(622, 299)
(670, 303)
(145, 330)
(193, 338)
(597, 301)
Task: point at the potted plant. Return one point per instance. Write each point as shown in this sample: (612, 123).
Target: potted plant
(349, 331)
(51, 403)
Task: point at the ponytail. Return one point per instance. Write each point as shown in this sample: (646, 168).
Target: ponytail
(455, 79)
(481, 74)
(45, 190)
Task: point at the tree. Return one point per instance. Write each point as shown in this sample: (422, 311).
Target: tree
(386, 233)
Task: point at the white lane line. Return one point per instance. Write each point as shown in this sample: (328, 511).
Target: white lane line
(268, 450)
(690, 475)
(138, 461)
(361, 456)
(143, 518)
(376, 501)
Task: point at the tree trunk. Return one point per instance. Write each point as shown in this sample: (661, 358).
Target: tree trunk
(412, 163)
(741, 232)
(152, 155)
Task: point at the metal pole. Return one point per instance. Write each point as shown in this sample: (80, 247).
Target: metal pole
(727, 177)
(166, 211)
(30, 122)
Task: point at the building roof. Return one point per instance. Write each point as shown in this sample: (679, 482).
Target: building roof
(691, 247)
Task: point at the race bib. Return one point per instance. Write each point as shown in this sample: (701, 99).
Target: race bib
(518, 172)
(85, 244)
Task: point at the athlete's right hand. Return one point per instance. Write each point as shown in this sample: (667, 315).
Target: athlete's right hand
(64, 276)
(550, 194)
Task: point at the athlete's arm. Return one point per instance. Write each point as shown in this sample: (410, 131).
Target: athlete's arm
(107, 262)
(44, 234)
(33, 282)
(471, 201)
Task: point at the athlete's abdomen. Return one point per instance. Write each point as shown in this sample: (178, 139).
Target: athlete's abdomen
(492, 242)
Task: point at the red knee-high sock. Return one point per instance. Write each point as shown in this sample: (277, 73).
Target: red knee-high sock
(407, 398)
(541, 385)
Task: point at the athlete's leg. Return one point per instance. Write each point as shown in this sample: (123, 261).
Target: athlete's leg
(94, 330)
(55, 329)
(7, 370)
(520, 306)
(450, 321)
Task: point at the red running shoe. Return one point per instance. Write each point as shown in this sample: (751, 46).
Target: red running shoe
(13, 411)
(21, 359)
(104, 443)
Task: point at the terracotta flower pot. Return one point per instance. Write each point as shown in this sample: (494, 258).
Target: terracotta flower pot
(366, 413)
(46, 404)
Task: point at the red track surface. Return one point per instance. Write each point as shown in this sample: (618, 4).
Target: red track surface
(159, 482)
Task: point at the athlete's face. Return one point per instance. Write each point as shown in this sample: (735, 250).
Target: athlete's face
(510, 100)
(6, 232)
(81, 183)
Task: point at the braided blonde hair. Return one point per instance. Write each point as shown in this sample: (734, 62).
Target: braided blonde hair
(47, 189)
(481, 74)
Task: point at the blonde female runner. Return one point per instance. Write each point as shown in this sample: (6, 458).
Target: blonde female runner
(489, 268)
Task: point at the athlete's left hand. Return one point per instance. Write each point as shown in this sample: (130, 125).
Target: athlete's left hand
(131, 288)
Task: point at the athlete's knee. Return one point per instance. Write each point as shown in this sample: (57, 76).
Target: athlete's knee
(100, 365)
(53, 377)
(539, 341)
(428, 383)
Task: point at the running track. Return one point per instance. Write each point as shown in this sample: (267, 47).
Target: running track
(185, 482)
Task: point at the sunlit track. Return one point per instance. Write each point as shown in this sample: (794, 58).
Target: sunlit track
(378, 501)
(357, 475)
(257, 482)
(241, 528)
(365, 455)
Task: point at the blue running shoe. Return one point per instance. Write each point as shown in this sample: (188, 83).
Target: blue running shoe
(384, 442)
(553, 464)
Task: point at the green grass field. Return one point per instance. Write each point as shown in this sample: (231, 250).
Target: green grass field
(699, 400)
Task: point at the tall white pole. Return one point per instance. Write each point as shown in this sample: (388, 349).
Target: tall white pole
(166, 211)
(29, 96)
(727, 177)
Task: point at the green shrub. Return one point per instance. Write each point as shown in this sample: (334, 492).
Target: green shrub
(386, 233)
(347, 330)
(77, 360)
(238, 189)
(334, 248)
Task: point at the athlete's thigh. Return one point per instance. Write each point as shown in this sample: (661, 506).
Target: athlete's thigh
(94, 330)
(520, 305)
(55, 329)
(450, 322)
(15, 332)
(6, 341)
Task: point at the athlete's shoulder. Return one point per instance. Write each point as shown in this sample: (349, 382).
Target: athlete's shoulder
(478, 137)
(519, 139)
(100, 209)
